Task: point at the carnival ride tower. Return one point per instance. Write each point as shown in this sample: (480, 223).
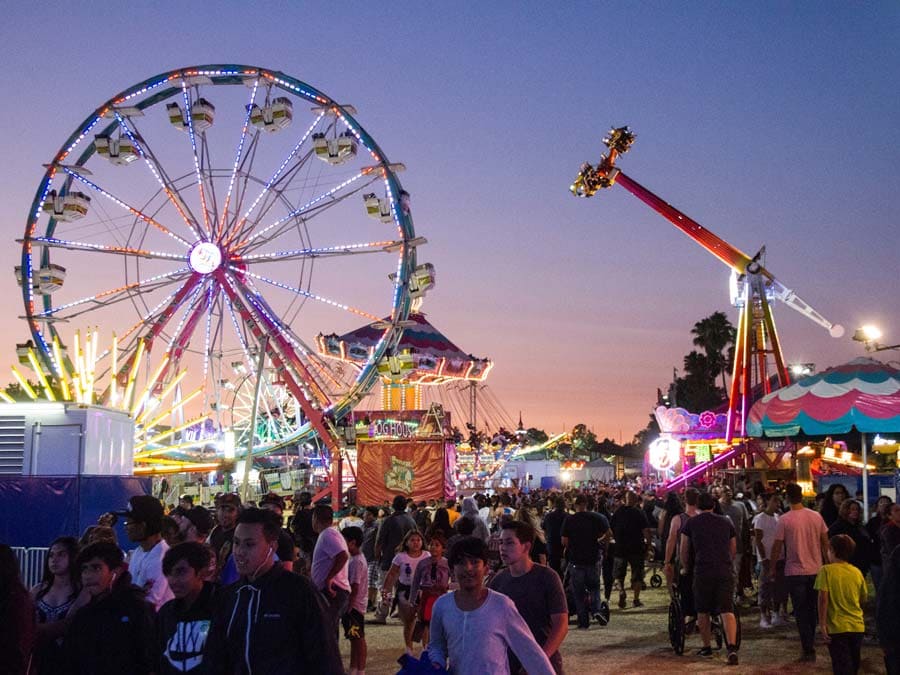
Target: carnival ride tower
(753, 287)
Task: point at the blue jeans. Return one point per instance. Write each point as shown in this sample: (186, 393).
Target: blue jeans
(805, 600)
(585, 586)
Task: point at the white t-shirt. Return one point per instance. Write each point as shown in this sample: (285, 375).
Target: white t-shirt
(350, 521)
(763, 521)
(146, 572)
(407, 565)
(328, 546)
(358, 573)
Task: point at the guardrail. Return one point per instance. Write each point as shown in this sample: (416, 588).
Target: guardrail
(31, 564)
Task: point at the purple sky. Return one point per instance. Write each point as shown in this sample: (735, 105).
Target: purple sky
(773, 124)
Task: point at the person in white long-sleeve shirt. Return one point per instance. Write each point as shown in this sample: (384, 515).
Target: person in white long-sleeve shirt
(474, 626)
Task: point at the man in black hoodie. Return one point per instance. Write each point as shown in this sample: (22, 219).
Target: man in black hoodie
(270, 621)
(182, 625)
(112, 631)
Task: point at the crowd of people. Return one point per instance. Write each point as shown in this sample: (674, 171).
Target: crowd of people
(487, 584)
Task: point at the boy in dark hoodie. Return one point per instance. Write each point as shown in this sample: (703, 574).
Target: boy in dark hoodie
(183, 623)
(111, 631)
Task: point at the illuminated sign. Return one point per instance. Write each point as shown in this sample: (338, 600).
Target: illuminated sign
(664, 453)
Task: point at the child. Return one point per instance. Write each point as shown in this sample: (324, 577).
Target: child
(353, 621)
(403, 568)
(430, 581)
(842, 591)
(183, 622)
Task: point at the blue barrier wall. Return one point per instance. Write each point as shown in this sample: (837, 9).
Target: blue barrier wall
(34, 510)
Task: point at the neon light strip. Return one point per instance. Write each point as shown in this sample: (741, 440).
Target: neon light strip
(307, 294)
(175, 202)
(147, 219)
(209, 305)
(237, 158)
(275, 176)
(143, 253)
(237, 329)
(302, 209)
(311, 252)
(190, 125)
(126, 287)
(187, 312)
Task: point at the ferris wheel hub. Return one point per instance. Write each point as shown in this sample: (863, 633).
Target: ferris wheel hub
(205, 257)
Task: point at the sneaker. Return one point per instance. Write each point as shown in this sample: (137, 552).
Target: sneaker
(602, 615)
(623, 600)
(764, 622)
(732, 658)
(705, 651)
(638, 603)
(808, 657)
(779, 620)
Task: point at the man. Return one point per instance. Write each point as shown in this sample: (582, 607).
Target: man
(889, 534)
(887, 613)
(285, 551)
(535, 590)
(553, 524)
(475, 626)
(684, 579)
(111, 631)
(183, 623)
(304, 534)
(228, 506)
(582, 535)
(633, 534)
(390, 534)
(143, 525)
(710, 540)
(186, 502)
(269, 621)
(329, 565)
(801, 533)
(370, 532)
(771, 578)
(196, 524)
(737, 514)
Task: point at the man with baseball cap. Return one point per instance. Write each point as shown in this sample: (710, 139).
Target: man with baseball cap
(228, 507)
(143, 525)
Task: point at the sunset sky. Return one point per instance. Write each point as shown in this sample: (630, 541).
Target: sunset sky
(770, 123)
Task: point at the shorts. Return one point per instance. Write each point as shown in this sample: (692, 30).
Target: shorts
(403, 592)
(374, 574)
(714, 595)
(354, 625)
(620, 567)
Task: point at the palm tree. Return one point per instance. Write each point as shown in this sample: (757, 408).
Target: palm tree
(714, 335)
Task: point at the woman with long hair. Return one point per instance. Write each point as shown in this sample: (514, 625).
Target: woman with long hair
(53, 597)
(16, 617)
(410, 553)
(850, 522)
(440, 524)
(834, 497)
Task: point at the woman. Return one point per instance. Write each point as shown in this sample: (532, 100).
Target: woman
(16, 617)
(873, 527)
(470, 511)
(440, 524)
(849, 522)
(834, 497)
(53, 597)
(672, 510)
(403, 568)
(539, 546)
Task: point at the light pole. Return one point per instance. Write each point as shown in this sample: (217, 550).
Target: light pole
(870, 335)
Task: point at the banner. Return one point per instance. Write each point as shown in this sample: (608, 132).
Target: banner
(414, 469)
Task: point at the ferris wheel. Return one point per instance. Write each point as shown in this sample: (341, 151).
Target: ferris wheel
(207, 216)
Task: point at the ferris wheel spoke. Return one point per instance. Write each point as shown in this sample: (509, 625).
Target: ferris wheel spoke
(324, 252)
(113, 295)
(269, 183)
(162, 318)
(311, 296)
(52, 242)
(136, 212)
(197, 171)
(172, 194)
(184, 331)
(304, 209)
(237, 161)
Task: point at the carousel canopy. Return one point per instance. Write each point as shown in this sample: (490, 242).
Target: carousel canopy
(435, 359)
(863, 393)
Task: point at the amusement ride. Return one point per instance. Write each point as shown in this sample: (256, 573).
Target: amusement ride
(209, 218)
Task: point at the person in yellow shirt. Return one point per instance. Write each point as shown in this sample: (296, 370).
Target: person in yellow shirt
(842, 591)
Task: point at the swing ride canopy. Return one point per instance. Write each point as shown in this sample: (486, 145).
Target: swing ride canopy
(435, 359)
(864, 393)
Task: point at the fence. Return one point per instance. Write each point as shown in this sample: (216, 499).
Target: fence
(31, 564)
